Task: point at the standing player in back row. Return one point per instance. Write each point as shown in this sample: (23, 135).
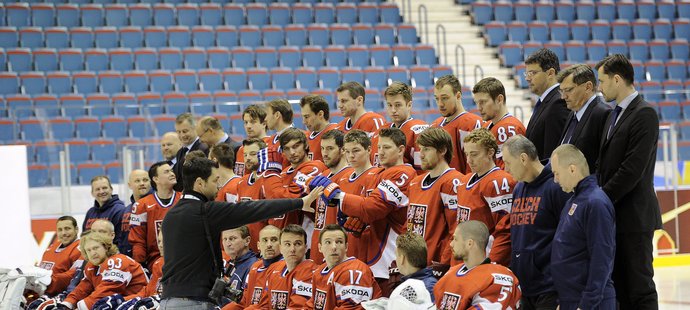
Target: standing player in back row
(399, 109)
(490, 96)
(315, 113)
(254, 118)
(351, 104)
(454, 119)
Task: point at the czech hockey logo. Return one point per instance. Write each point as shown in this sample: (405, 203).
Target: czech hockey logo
(463, 214)
(320, 300)
(416, 219)
(279, 300)
(320, 214)
(572, 209)
(450, 301)
(256, 296)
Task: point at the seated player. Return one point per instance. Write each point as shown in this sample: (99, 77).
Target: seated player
(410, 257)
(341, 282)
(62, 256)
(289, 285)
(477, 283)
(240, 257)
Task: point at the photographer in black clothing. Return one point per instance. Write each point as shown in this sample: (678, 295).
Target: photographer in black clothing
(189, 271)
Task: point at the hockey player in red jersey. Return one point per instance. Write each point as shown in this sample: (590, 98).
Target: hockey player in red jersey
(384, 211)
(351, 104)
(254, 119)
(490, 96)
(478, 283)
(315, 114)
(251, 185)
(269, 245)
(290, 181)
(433, 197)
(399, 109)
(279, 118)
(289, 285)
(148, 213)
(341, 282)
(107, 273)
(223, 154)
(486, 194)
(454, 119)
(326, 213)
(62, 256)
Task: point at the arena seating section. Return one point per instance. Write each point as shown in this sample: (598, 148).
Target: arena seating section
(101, 75)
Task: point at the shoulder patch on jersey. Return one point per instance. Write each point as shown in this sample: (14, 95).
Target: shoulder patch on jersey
(138, 219)
(356, 293)
(449, 201)
(450, 301)
(116, 275)
(393, 194)
(500, 203)
(417, 129)
(502, 279)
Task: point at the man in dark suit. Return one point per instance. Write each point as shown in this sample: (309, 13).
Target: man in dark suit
(185, 128)
(586, 121)
(550, 114)
(626, 174)
(210, 132)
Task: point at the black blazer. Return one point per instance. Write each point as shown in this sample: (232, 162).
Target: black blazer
(626, 167)
(177, 168)
(546, 124)
(587, 134)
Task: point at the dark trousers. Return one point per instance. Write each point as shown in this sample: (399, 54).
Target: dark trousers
(546, 301)
(185, 303)
(633, 271)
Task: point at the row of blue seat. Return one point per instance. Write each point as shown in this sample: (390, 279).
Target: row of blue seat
(546, 11)
(82, 2)
(43, 175)
(191, 14)
(109, 82)
(206, 36)
(497, 32)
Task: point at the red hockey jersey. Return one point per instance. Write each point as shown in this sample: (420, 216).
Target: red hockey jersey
(288, 290)
(249, 188)
(345, 286)
(228, 193)
(147, 218)
(325, 214)
(412, 129)
(291, 184)
(314, 140)
(489, 199)
(505, 128)
(487, 286)
(239, 158)
(361, 185)
(154, 286)
(119, 274)
(432, 212)
(63, 261)
(369, 122)
(459, 128)
(385, 210)
(254, 287)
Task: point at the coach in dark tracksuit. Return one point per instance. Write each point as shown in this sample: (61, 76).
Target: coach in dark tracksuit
(536, 209)
(189, 272)
(585, 242)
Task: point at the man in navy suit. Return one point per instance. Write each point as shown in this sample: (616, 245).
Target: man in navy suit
(588, 113)
(626, 174)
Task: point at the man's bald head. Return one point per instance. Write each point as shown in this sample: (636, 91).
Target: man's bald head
(139, 183)
(170, 144)
(104, 227)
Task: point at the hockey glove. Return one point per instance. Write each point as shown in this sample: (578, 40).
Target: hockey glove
(129, 305)
(37, 302)
(270, 160)
(108, 302)
(355, 226)
(148, 303)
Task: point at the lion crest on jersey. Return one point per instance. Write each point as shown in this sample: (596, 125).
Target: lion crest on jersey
(279, 300)
(450, 301)
(319, 300)
(256, 295)
(416, 219)
(320, 214)
(463, 214)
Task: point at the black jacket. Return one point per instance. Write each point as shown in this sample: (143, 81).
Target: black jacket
(179, 157)
(546, 124)
(188, 270)
(626, 167)
(587, 134)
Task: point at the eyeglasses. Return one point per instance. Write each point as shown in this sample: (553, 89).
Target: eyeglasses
(531, 73)
(565, 91)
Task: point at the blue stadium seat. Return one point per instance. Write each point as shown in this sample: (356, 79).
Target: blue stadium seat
(390, 13)
(666, 9)
(247, 95)
(559, 31)
(82, 37)
(211, 14)
(289, 56)
(61, 128)
(575, 51)
(59, 82)
(48, 151)
(85, 82)
(363, 34)
(131, 37)
(201, 103)
(684, 149)
(384, 34)
(421, 76)
(141, 15)
(210, 80)
(176, 103)
(606, 10)
(681, 28)
(358, 56)
(219, 58)
(121, 59)
(116, 15)
(646, 9)
(88, 171)
(545, 11)
(187, 14)
(73, 105)
(642, 29)
(663, 29)
(580, 30)
(601, 30)
(638, 50)
(194, 58)
(482, 12)
(345, 13)
(341, 34)
(151, 102)
(31, 37)
(296, 94)
(398, 74)
(203, 36)
(306, 78)
(441, 70)
(161, 81)
(676, 70)
(352, 74)
(368, 13)
(235, 79)
(266, 57)
(146, 59)
(71, 59)
(313, 56)
(92, 15)
(329, 95)
(68, 15)
(381, 55)
(114, 171)
(329, 77)
(517, 31)
(302, 13)
(38, 175)
(324, 13)
(99, 105)
(258, 78)
(20, 106)
(596, 50)
(164, 123)
(510, 53)
(673, 90)
(179, 36)
(684, 128)
(524, 11)
(46, 105)
(295, 35)
(318, 34)
(495, 32)
(170, 58)
(279, 14)
(373, 99)
(96, 59)
(407, 34)
(503, 10)
(659, 50)
(9, 37)
(42, 14)
(651, 91)
(538, 31)
(139, 126)
(33, 82)
(670, 111)
(626, 10)
(107, 37)
(617, 47)
(164, 14)
(242, 57)
(403, 55)
(425, 55)
(565, 11)
(87, 127)
(621, 30)
(679, 49)
(250, 36)
(272, 94)
(19, 60)
(114, 127)
(257, 14)
(45, 59)
(233, 14)
(186, 80)
(226, 101)
(31, 128)
(375, 77)
(273, 36)
(155, 37)
(110, 82)
(18, 14)
(56, 37)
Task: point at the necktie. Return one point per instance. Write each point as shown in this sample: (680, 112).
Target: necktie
(571, 130)
(534, 111)
(614, 117)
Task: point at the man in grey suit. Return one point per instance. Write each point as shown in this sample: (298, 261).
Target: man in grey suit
(626, 174)
(586, 121)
